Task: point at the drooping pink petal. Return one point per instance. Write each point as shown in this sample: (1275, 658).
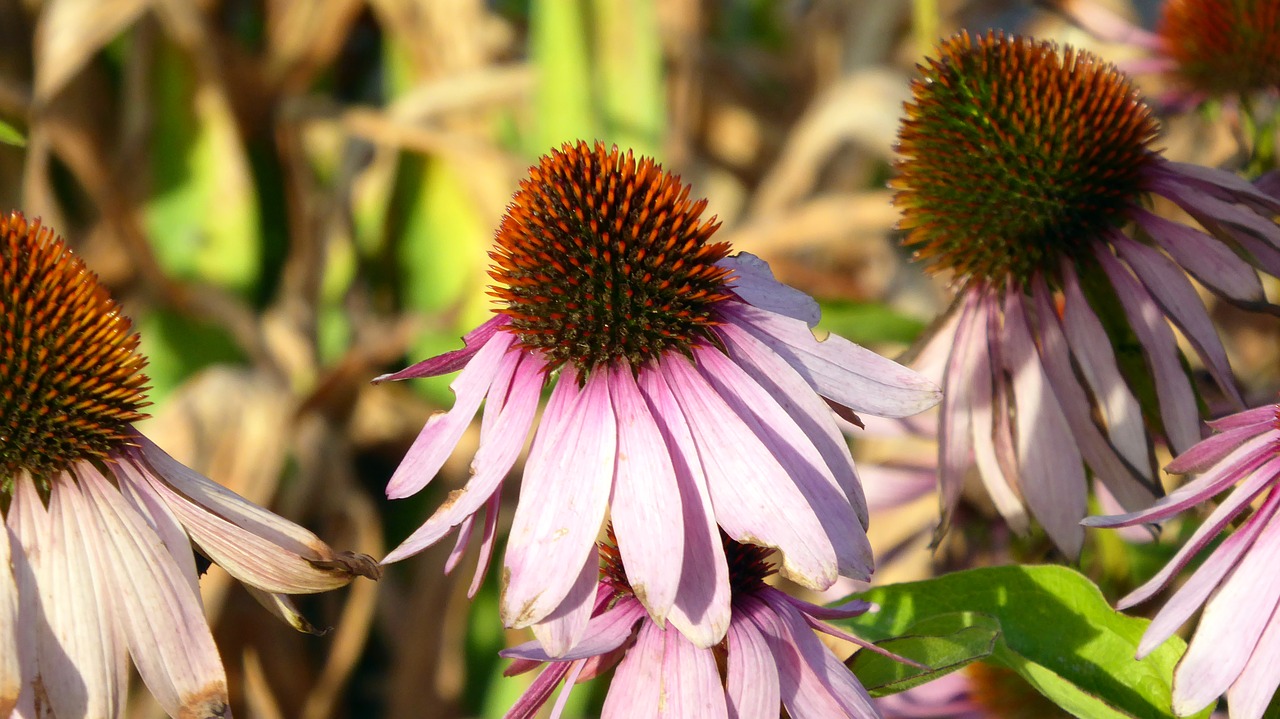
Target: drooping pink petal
(955, 431)
(1173, 291)
(638, 689)
(1129, 488)
(1229, 627)
(646, 508)
(443, 430)
(793, 449)
(1217, 447)
(1091, 347)
(701, 609)
(1208, 260)
(159, 516)
(527, 706)
(751, 681)
(605, 632)
(1253, 690)
(10, 666)
(838, 369)
(1173, 388)
(505, 429)
(562, 500)
(564, 627)
(1236, 466)
(160, 619)
(451, 361)
(487, 542)
(983, 411)
(1266, 414)
(1192, 594)
(691, 684)
(1053, 481)
(755, 284)
(755, 501)
(1220, 184)
(27, 523)
(82, 657)
(808, 410)
(1232, 224)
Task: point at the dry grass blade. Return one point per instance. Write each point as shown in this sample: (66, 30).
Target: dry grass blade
(69, 32)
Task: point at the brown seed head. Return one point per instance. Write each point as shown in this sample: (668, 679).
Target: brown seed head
(1224, 46)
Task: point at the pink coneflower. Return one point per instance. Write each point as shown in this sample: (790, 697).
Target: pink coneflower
(96, 535)
(1236, 647)
(689, 398)
(1209, 48)
(770, 654)
(1024, 176)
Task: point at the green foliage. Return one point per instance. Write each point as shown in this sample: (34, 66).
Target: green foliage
(1057, 631)
(942, 643)
(11, 135)
(870, 322)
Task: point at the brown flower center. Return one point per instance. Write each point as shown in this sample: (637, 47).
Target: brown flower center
(1224, 46)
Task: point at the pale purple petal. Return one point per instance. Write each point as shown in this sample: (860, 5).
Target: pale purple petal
(1173, 388)
(451, 361)
(1206, 258)
(894, 485)
(527, 706)
(755, 502)
(487, 542)
(1229, 627)
(1053, 481)
(955, 432)
(646, 508)
(562, 500)
(800, 459)
(1129, 488)
(1267, 414)
(1252, 691)
(755, 284)
(989, 419)
(702, 604)
(806, 408)
(443, 430)
(159, 516)
(1092, 349)
(1218, 183)
(838, 369)
(161, 620)
(82, 657)
(1193, 593)
(508, 426)
(564, 627)
(10, 666)
(605, 632)
(751, 681)
(1217, 447)
(638, 689)
(28, 526)
(691, 680)
(1173, 291)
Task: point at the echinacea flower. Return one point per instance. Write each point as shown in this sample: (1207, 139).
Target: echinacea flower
(1210, 48)
(1024, 176)
(96, 533)
(1236, 647)
(770, 654)
(688, 398)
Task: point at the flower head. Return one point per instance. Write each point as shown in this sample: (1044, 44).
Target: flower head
(98, 523)
(1237, 641)
(770, 654)
(1025, 174)
(688, 398)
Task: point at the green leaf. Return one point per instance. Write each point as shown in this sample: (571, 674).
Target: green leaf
(629, 82)
(1056, 630)
(563, 102)
(870, 323)
(11, 135)
(943, 643)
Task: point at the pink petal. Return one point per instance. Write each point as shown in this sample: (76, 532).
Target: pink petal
(955, 431)
(505, 428)
(751, 681)
(443, 430)
(564, 627)
(1206, 258)
(527, 706)
(754, 499)
(638, 688)
(1177, 403)
(1129, 488)
(1217, 447)
(1267, 414)
(605, 632)
(800, 459)
(838, 369)
(691, 680)
(1253, 689)
(701, 609)
(151, 507)
(755, 284)
(1219, 183)
(451, 361)
(646, 509)
(1053, 479)
(82, 657)
(562, 499)
(10, 666)
(161, 620)
(28, 528)
(1193, 593)
(808, 410)
(1091, 348)
(1173, 291)
(989, 419)
(486, 543)
(1229, 627)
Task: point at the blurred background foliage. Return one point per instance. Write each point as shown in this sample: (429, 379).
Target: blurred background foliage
(291, 198)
